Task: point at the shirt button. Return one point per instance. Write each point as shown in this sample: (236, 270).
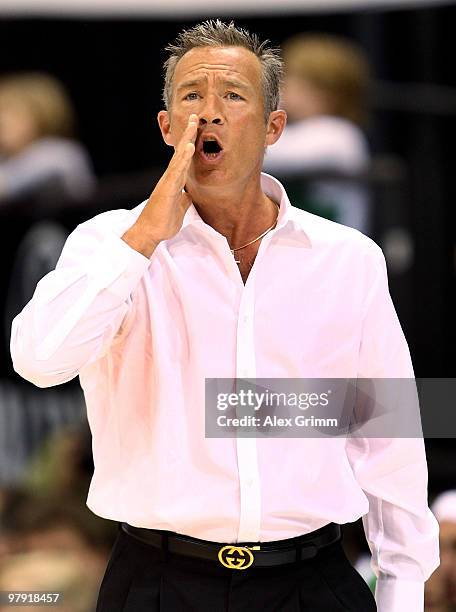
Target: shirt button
(249, 482)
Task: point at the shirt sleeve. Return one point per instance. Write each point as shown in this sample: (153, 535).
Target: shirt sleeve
(401, 531)
(81, 307)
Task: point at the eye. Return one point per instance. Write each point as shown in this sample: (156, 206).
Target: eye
(234, 96)
(191, 96)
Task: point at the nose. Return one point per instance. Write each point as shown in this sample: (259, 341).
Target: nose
(204, 121)
(211, 112)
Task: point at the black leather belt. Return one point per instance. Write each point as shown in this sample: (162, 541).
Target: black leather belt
(240, 556)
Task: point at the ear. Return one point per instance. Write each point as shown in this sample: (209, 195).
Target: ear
(276, 122)
(165, 127)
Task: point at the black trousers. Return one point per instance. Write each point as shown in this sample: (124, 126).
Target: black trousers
(142, 578)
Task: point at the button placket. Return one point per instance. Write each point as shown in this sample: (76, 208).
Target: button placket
(249, 481)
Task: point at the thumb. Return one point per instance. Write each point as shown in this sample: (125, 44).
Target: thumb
(185, 201)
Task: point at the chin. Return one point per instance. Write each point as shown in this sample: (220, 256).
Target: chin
(210, 176)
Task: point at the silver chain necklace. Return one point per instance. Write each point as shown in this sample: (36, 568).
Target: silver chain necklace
(257, 238)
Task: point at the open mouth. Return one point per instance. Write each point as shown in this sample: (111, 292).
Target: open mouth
(211, 149)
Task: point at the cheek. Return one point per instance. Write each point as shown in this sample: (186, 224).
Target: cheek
(255, 134)
(178, 120)
(175, 133)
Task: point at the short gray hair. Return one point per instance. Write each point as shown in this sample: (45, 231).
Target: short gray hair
(216, 33)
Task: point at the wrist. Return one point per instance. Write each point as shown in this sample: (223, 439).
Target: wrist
(140, 240)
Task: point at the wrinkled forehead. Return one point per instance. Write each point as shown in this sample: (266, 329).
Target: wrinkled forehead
(219, 62)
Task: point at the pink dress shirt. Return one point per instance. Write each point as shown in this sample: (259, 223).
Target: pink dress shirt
(143, 334)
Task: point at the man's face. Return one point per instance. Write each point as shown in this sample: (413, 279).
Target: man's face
(223, 86)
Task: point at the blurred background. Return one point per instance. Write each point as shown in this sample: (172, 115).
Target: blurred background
(370, 91)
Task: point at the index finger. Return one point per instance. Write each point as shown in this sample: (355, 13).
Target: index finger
(190, 132)
(186, 147)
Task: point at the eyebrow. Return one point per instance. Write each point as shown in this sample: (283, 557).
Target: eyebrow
(234, 83)
(188, 84)
(197, 82)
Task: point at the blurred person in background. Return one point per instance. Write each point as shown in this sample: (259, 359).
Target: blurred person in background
(442, 589)
(49, 540)
(435, 594)
(38, 152)
(325, 97)
(63, 464)
(52, 544)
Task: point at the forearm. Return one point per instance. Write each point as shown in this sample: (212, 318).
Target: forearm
(75, 313)
(401, 531)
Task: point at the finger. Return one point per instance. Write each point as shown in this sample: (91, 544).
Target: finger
(193, 124)
(183, 154)
(189, 135)
(176, 173)
(178, 167)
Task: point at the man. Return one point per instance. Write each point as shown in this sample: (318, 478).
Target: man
(216, 275)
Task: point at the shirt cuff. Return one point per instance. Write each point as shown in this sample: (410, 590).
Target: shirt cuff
(116, 266)
(393, 595)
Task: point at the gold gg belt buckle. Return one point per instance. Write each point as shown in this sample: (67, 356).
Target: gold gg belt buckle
(236, 557)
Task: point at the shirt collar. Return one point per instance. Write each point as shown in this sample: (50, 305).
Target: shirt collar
(288, 215)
